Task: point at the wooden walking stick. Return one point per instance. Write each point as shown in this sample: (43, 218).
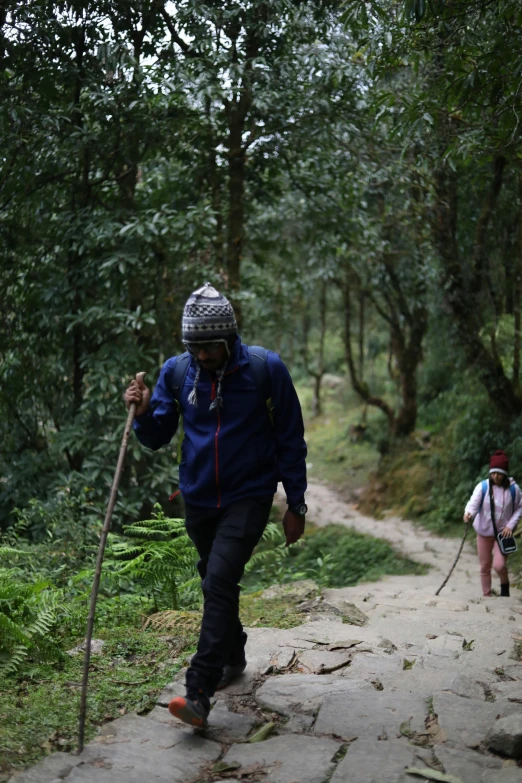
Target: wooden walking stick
(97, 572)
(468, 525)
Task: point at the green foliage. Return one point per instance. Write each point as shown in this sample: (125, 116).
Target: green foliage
(333, 556)
(40, 707)
(157, 555)
(270, 558)
(29, 616)
(337, 557)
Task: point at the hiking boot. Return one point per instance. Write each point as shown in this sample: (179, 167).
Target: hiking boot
(230, 673)
(192, 709)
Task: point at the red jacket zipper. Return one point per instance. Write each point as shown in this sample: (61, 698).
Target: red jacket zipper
(216, 436)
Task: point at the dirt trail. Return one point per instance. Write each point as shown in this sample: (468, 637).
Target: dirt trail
(326, 507)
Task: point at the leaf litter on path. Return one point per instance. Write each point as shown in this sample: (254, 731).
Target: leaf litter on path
(433, 774)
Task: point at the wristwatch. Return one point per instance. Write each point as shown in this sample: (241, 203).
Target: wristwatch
(300, 509)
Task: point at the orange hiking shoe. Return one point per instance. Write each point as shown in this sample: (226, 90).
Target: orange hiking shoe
(194, 712)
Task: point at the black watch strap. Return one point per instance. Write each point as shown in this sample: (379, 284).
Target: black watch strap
(300, 509)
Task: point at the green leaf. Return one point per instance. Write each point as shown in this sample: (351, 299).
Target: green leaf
(433, 774)
(263, 733)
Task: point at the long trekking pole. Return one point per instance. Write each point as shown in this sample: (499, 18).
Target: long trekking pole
(468, 525)
(97, 572)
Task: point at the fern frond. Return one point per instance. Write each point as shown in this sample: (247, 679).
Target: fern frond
(15, 660)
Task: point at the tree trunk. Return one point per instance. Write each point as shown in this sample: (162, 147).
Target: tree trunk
(462, 302)
(408, 357)
(318, 375)
(236, 195)
(362, 308)
(357, 383)
(214, 179)
(517, 290)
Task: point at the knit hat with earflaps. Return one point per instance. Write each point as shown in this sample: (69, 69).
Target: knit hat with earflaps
(499, 463)
(208, 317)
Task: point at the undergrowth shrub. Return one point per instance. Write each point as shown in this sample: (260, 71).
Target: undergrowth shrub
(269, 563)
(29, 616)
(333, 556)
(337, 557)
(156, 555)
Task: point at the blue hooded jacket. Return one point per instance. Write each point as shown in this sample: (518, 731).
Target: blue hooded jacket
(233, 452)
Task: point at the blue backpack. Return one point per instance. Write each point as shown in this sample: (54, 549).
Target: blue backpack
(258, 367)
(512, 490)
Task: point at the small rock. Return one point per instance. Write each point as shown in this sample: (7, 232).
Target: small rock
(322, 662)
(352, 615)
(387, 646)
(505, 736)
(97, 646)
(509, 775)
(468, 688)
(297, 724)
(294, 592)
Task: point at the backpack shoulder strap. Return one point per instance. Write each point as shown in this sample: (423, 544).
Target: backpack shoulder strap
(261, 374)
(484, 491)
(513, 491)
(179, 374)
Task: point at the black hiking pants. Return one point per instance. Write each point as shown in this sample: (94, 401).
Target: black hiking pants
(225, 539)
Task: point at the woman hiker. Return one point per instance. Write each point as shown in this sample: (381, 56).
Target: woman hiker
(507, 509)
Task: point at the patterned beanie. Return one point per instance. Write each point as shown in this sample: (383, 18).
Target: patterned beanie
(208, 317)
(499, 463)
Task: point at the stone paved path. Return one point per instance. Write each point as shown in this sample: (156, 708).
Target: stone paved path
(378, 679)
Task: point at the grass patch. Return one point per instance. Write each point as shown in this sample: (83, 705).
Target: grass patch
(333, 556)
(271, 613)
(39, 709)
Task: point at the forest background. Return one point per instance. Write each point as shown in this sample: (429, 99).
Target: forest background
(349, 174)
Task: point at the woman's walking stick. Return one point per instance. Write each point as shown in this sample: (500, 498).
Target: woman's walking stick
(97, 572)
(456, 559)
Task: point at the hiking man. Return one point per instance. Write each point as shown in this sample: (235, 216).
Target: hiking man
(243, 432)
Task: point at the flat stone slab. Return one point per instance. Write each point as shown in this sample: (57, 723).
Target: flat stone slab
(223, 725)
(58, 765)
(464, 722)
(370, 714)
(508, 691)
(375, 762)
(467, 687)
(176, 688)
(288, 759)
(144, 750)
(331, 631)
(297, 724)
(467, 765)
(508, 775)
(322, 662)
(371, 665)
(304, 693)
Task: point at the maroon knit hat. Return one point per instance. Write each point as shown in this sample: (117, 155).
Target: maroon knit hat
(499, 463)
